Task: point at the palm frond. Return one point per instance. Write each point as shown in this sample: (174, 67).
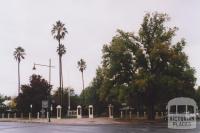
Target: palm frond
(19, 53)
(61, 50)
(58, 31)
(81, 65)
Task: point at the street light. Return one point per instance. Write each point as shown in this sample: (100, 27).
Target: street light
(69, 100)
(51, 108)
(49, 97)
(49, 66)
(31, 106)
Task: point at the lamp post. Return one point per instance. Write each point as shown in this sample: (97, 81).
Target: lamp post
(51, 109)
(49, 97)
(69, 100)
(31, 106)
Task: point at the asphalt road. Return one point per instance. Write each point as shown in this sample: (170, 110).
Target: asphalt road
(11, 127)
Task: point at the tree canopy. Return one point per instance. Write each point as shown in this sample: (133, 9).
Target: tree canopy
(33, 93)
(74, 99)
(147, 69)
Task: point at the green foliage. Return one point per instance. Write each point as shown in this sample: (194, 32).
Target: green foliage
(118, 69)
(61, 50)
(3, 107)
(74, 99)
(33, 93)
(19, 54)
(92, 94)
(145, 70)
(165, 66)
(58, 31)
(81, 65)
(2, 99)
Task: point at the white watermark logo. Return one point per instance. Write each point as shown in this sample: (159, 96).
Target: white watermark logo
(182, 113)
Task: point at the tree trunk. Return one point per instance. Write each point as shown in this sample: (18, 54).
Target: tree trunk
(61, 72)
(83, 87)
(18, 78)
(151, 102)
(151, 112)
(60, 82)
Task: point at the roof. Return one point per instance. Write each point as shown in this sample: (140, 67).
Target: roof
(7, 102)
(182, 101)
(127, 108)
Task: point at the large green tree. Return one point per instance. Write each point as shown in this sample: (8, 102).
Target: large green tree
(147, 68)
(118, 71)
(162, 65)
(59, 31)
(33, 93)
(19, 55)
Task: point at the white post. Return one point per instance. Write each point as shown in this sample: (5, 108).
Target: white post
(47, 115)
(156, 115)
(79, 112)
(3, 115)
(21, 115)
(8, 115)
(130, 114)
(68, 100)
(138, 114)
(121, 114)
(144, 114)
(161, 114)
(59, 111)
(38, 115)
(91, 111)
(110, 111)
(15, 115)
(29, 116)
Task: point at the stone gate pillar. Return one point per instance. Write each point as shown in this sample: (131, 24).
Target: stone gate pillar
(38, 115)
(79, 111)
(138, 115)
(59, 112)
(110, 109)
(91, 111)
(130, 115)
(121, 114)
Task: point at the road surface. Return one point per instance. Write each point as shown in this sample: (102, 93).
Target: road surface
(12, 127)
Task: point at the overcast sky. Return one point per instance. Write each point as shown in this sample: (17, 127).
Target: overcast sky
(91, 24)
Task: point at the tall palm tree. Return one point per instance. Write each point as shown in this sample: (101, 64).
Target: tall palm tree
(58, 31)
(82, 67)
(19, 55)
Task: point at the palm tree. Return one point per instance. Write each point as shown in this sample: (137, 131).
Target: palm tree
(82, 67)
(58, 31)
(19, 55)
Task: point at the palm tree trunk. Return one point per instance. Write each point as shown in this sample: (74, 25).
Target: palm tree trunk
(18, 78)
(83, 87)
(60, 94)
(60, 81)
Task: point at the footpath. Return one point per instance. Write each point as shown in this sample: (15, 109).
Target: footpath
(84, 121)
(74, 121)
